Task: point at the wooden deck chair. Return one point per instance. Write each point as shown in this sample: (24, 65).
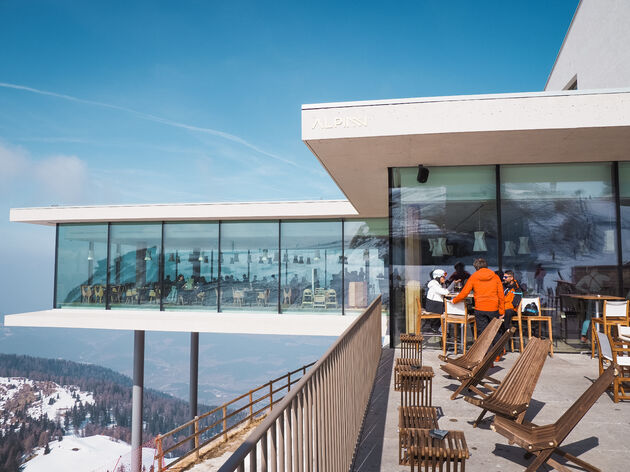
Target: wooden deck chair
(457, 314)
(543, 441)
(409, 420)
(422, 315)
(477, 375)
(521, 318)
(410, 355)
(479, 348)
(615, 313)
(512, 396)
(615, 352)
(415, 410)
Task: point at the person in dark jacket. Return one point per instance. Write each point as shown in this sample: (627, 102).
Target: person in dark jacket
(513, 294)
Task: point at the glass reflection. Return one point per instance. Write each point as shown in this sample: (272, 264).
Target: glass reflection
(560, 219)
(311, 266)
(190, 266)
(81, 265)
(135, 265)
(249, 267)
(447, 221)
(366, 275)
(624, 193)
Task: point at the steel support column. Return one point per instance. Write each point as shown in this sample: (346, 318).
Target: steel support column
(194, 373)
(136, 404)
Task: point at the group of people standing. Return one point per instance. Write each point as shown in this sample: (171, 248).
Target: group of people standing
(493, 297)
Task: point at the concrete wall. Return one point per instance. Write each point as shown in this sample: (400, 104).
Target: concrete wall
(596, 47)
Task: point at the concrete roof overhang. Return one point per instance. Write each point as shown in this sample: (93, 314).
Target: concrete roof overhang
(358, 141)
(185, 321)
(296, 210)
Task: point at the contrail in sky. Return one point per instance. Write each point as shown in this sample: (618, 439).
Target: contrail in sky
(154, 118)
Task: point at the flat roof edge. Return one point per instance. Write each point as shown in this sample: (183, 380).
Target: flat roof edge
(183, 321)
(463, 98)
(307, 209)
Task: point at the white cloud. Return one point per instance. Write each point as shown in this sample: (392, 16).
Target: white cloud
(64, 177)
(13, 161)
(52, 179)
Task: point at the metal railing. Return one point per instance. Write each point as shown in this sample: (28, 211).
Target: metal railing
(225, 418)
(316, 425)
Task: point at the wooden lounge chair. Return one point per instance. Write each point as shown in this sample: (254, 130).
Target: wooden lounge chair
(512, 396)
(470, 377)
(615, 352)
(415, 409)
(410, 355)
(543, 441)
(478, 350)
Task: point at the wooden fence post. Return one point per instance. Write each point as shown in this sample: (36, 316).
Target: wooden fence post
(270, 396)
(160, 454)
(197, 437)
(251, 407)
(225, 436)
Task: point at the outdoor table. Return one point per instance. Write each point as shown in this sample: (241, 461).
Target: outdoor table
(597, 300)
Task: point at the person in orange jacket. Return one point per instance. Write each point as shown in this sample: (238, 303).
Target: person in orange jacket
(488, 292)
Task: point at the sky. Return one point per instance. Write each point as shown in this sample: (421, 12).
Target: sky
(197, 101)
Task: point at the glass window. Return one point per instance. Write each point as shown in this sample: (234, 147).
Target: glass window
(190, 266)
(311, 266)
(449, 220)
(366, 244)
(558, 225)
(134, 265)
(249, 267)
(81, 265)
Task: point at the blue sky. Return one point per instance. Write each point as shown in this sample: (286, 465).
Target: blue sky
(155, 101)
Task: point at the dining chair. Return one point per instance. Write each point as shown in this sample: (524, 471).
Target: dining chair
(286, 296)
(331, 298)
(538, 318)
(307, 298)
(615, 312)
(422, 315)
(457, 314)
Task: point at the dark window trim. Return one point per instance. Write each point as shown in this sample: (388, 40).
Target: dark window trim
(56, 265)
(617, 191)
(161, 262)
(343, 268)
(279, 265)
(390, 182)
(499, 212)
(107, 277)
(219, 270)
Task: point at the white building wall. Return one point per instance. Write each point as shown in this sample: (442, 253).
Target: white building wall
(596, 48)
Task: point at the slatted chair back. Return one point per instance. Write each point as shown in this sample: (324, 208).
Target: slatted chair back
(512, 396)
(475, 354)
(481, 370)
(416, 388)
(411, 348)
(518, 385)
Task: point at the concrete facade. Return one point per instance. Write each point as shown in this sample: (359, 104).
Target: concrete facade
(595, 49)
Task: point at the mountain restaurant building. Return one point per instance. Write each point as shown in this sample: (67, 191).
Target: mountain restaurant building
(538, 183)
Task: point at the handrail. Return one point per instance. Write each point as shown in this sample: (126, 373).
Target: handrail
(316, 425)
(254, 411)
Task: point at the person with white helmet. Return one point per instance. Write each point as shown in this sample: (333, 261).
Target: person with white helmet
(436, 291)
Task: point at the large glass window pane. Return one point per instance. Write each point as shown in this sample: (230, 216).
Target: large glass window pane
(558, 223)
(311, 266)
(624, 193)
(366, 244)
(81, 265)
(190, 266)
(249, 267)
(449, 219)
(134, 265)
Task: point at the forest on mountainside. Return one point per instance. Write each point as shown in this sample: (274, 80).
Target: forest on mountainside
(110, 414)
